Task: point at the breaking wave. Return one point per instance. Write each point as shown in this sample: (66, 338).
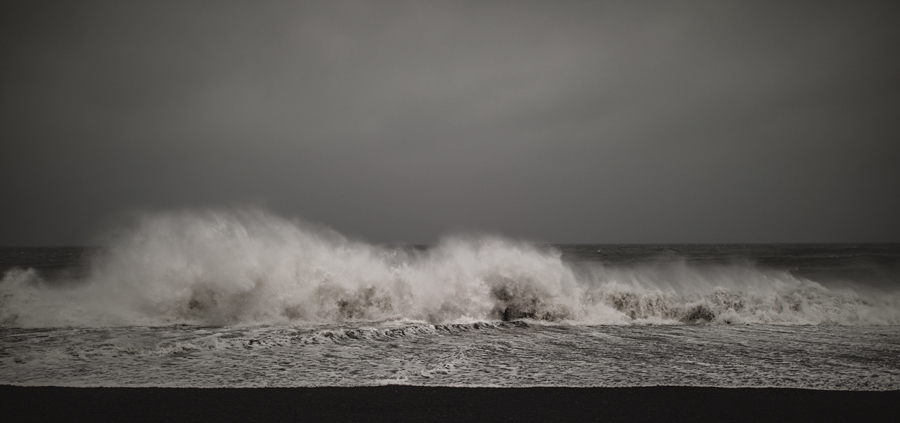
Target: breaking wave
(250, 267)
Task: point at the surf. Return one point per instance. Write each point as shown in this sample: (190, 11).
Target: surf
(248, 266)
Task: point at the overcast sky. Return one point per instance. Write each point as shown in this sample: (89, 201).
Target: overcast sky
(553, 121)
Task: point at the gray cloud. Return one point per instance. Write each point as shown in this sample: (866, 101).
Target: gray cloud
(401, 121)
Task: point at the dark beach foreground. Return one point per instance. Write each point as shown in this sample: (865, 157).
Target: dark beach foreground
(429, 404)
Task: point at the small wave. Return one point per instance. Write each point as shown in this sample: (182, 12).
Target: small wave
(249, 267)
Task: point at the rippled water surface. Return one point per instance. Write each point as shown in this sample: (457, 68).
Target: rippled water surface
(479, 354)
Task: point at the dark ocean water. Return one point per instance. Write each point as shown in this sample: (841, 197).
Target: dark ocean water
(233, 299)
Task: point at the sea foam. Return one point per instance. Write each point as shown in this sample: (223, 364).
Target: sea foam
(250, 267)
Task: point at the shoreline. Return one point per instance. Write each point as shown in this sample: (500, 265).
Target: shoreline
(414, 403)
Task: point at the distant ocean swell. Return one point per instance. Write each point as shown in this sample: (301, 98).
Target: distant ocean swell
(249, 267)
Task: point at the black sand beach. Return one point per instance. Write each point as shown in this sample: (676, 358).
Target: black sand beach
(407, 403)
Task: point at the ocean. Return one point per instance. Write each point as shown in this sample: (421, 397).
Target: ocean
(247, 299)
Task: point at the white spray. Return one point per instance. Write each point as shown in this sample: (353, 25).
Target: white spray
(248, 266)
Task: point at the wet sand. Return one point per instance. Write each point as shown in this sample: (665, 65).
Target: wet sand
(430, 404)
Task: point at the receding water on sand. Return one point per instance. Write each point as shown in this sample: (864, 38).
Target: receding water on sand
(481, 354)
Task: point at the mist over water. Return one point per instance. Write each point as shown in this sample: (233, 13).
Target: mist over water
(230, 267)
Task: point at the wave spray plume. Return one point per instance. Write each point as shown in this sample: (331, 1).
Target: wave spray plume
(250, 267)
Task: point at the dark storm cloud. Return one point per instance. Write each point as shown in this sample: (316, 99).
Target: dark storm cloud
(400, 121)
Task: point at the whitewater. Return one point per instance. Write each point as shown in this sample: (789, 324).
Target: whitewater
(226, 298)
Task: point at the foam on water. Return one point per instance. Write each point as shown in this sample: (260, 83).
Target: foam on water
(250, 267)
(509, 354)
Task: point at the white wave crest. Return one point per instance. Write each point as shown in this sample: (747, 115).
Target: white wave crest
(248, 266)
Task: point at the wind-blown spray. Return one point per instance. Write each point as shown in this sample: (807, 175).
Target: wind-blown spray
(248, 266)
